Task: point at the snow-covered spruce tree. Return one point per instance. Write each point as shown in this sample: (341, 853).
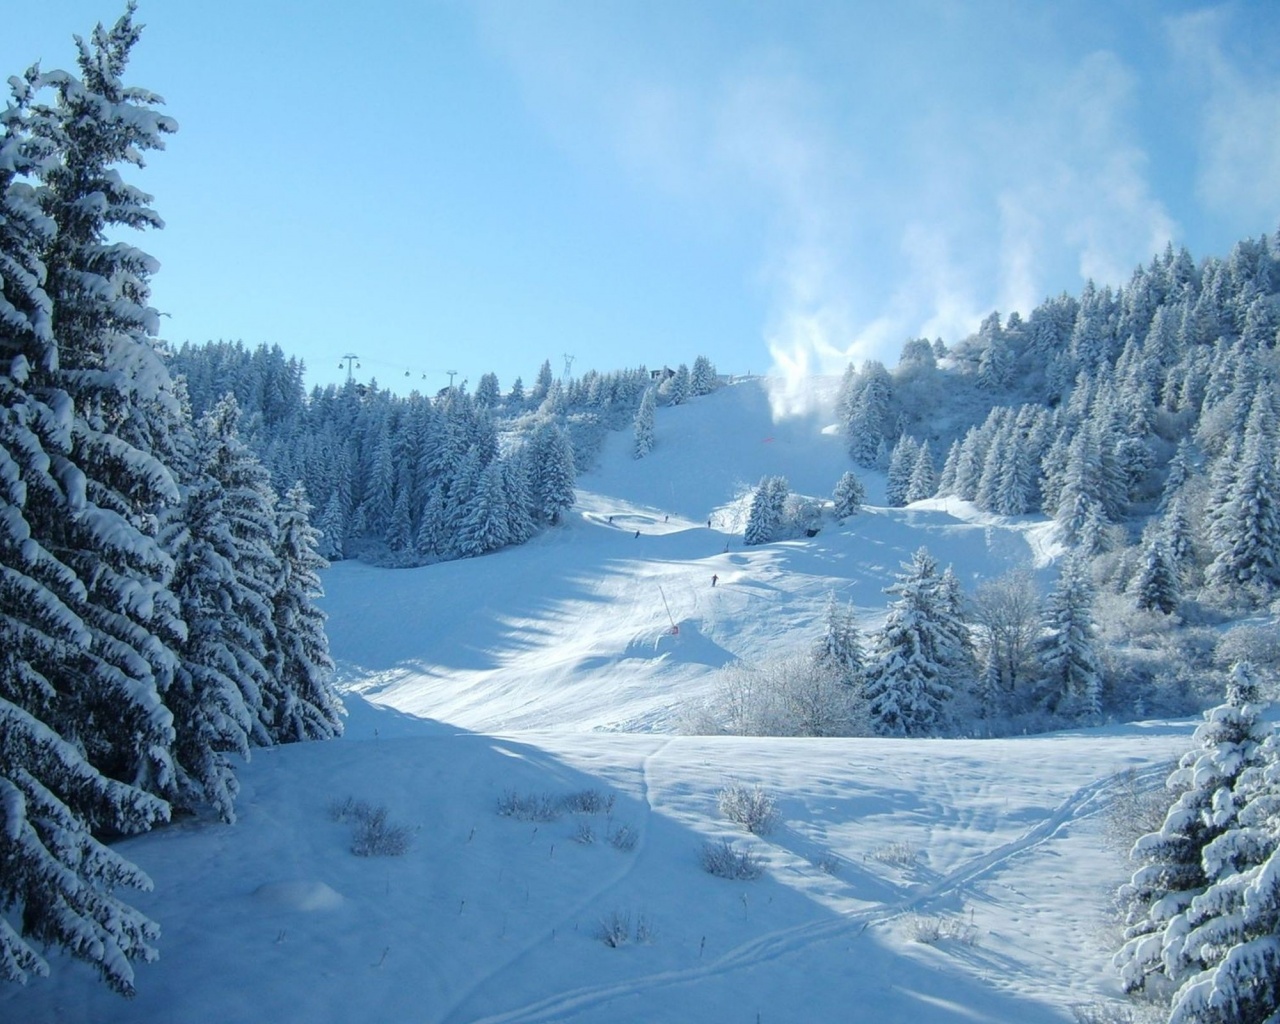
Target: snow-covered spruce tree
(867, 397)
(909, 686)
(1246, 525)
(644, 426)
(1231, 931)
(124, 411)
(249, 506)
(1174, 869)
(211, 716)
(702, 379)
(56, 876)
(541, 385)
(839, 649)
(923, 482)
(902, 463)
(486, 523)
(676, 389)
(553, 473)
(308, 707)
(849, 495)
(1157, 583)
(1071, 676)
(768, 507)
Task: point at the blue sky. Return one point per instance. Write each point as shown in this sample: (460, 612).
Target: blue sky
(445, 186)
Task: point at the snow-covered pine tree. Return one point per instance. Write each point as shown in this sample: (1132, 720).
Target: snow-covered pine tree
(515, 485)
(923, 482)
(553, 473)
(308, 707)
(768, 505)
(908, 687)
(868, 399)
(53, 869)
(1231, 931)
(644, 426)
(702, 379)
(541, 385)
(849, 495)
(1174, 869)
(1070, 674)
(902, 463)
(947, 475)
(249, 504)
(124, 410)
(1245, 528)
(211, 716)
(677, 388)
(1157, 583)
(839, 649)
(485, 524)
(488, 394)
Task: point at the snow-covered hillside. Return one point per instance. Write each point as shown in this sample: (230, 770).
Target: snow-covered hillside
(574, 630)
(487, 683)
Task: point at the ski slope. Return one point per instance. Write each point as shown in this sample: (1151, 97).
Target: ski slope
(551, 670)
(574, 630)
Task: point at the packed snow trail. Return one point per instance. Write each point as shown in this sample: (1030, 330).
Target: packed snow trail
(1083, 802)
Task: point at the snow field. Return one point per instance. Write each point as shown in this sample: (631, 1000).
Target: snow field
(489, 918)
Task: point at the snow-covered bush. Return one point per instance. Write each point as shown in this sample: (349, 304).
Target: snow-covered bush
(623, 837)
(792, 695)
(1138, 808)
(751, 807)
(931, 928)
(374, 835)
(588, 801)
(723, 860)
(529, 806)
(616, 929)
(1259, 645)
(900, 854)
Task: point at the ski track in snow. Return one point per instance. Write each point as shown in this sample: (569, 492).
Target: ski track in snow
(455, 1014)
(1083, 802)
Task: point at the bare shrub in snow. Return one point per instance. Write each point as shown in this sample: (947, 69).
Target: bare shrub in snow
(616, 930)
(1139, 807)
(899, 854)
(584, 833)
(724, 861)
(931, 928)
(623, 837)
(750, 807)
(1098, 1012)
(350, 809)
(374, 833)
(828, 863)
(787, 696)
(588, 801)
(528, 806)
(1258, 645)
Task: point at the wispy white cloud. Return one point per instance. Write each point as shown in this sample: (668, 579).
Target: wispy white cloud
(1239, 159)
(887, 208)
(1082, 187)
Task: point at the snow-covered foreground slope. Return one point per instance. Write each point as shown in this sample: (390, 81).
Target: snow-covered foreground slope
(575, 629)
(477, 683)
(488, 918)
